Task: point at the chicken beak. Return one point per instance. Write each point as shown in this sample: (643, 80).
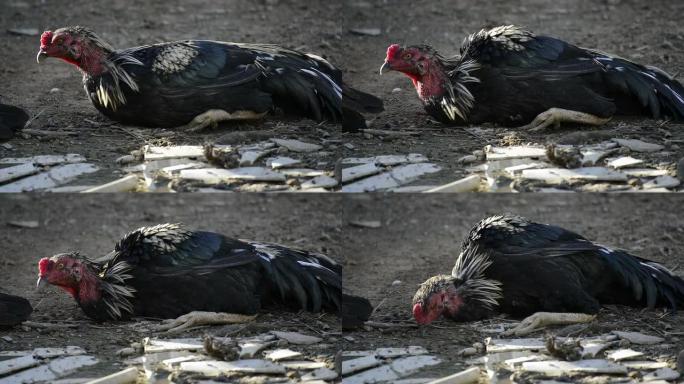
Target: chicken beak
(41, 283)
(41, 56)
(385, 66)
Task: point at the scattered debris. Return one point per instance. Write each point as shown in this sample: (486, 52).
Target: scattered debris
(397, 176)
(216, 368)
(470, 375)
(128, 375)
(50, 178)
(393, 370)
(638, 145)
(24, 224)
(514, 152)
(366, 31)
(467, 184)
(638, 338)
(297, 338)
(366, 223)
(624, 354)
(666, 374)
(50, 370)
(124, 184)
(624, 162)
(23, 31)
(297, 146)
(560, 368)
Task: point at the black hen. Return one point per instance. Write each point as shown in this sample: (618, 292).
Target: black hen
(508, 75)
(169, 84)
(167, 270)
(14, 310)
(512, 265)
(12, 119)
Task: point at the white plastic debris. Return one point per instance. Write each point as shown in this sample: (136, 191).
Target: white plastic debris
(283, 354)
(644, 172)
(638, 145)
(320, 374)
(387, 160)
(158, 345)
(467, 184)
(323, 181)
(301, 172)
(297, 146)
(507, 345)
(251, 348)
(174, 152)
(359, 171)
(646, 365)
(297, 338)
(128, 375)
(398, 368)
(366, 31)
(57, 175)
(560, 368)
(359, 364)
(283, 162)
(471, 375)
(124, 184)
(514, 152)
(389, 352)
(667, 374)
(69, 158)
(17, 364)
(44, 353)
(17, 171)
(665, 181)
(403, 174)
(174, 362)
(215, 368)
(304, 365)
(624, 162)
(218, 175)
(639, 338)
(50, 371)
(559, 175)
(624, 354)
(248, 158)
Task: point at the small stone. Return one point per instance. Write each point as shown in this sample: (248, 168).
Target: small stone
(128, 351)
(465, 352)
(467, 159)
(126, 159)
(7, 339)
(55, 90)
(349, 145)
(396, 282)
(396, 90)
(666, 374)
(366, 31)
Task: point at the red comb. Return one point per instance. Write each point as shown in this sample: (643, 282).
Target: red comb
(43, 266)
(45, 40)
(392, 50)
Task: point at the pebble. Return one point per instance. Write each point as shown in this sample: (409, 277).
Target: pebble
(396, 90)
(128, 351)
(55, 90)
(467, 352)
(467, 159)
(396, 282)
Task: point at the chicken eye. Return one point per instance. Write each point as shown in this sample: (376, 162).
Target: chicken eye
(407, 56)
(60, 265)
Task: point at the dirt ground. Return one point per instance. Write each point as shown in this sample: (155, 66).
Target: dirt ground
(93, 225)
(420, 238)
(646, 32)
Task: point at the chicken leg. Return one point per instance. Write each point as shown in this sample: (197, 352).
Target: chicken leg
(214, 116)
(556, 116)
(540, 320)
(198, 318)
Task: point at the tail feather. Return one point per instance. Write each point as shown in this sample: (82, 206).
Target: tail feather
(312, 280)
(13, 310)
(355, 311)
(655, 90)
(650, 281)
(355, 102)
(12, 119)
